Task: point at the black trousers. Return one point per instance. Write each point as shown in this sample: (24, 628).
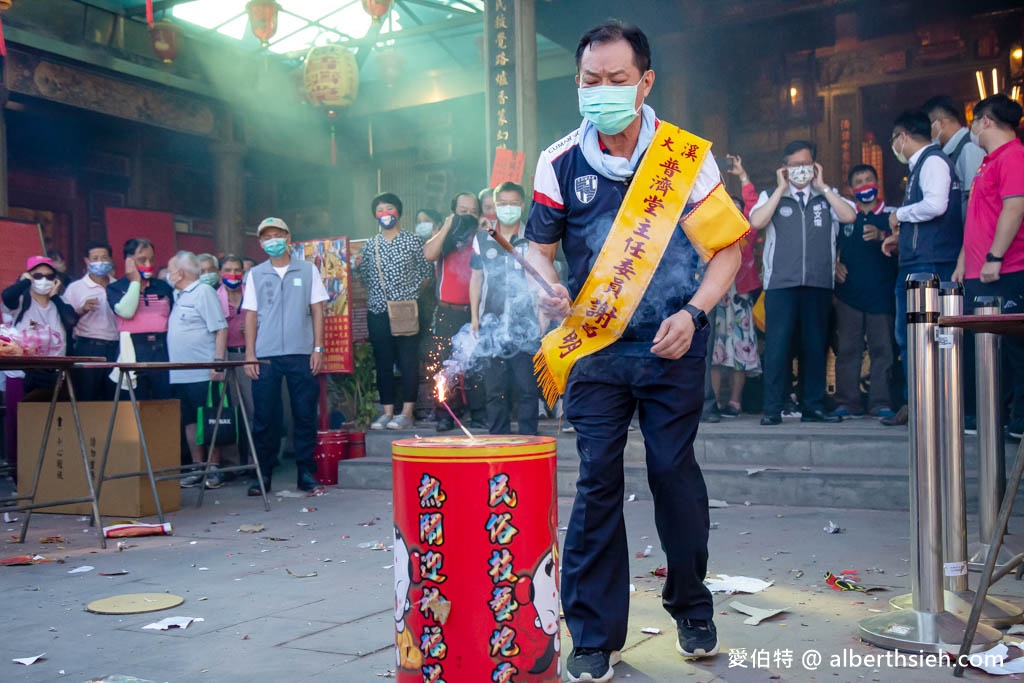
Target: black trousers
(388, 351)
(603, 391)
(503, 377)
(800, 312)
(94, 385)
(1010, 287)
(304, 393)
(853, 327)
(152, 384)
(448, 320)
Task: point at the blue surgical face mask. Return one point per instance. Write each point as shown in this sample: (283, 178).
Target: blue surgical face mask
(275, 246)
(100, 268)
(509, 215)
(425, 229)
(609, 107)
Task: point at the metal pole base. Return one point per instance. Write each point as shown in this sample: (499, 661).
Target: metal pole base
(978, 552)
(995, 612)
(914, 631)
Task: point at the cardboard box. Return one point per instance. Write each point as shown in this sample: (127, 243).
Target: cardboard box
(63, 473)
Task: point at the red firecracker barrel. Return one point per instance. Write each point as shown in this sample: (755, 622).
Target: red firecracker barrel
(476, 560)
(331, 447)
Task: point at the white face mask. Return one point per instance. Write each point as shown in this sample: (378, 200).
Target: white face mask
(425, 229)
(44, 286)
(899, 155)
(800, 175)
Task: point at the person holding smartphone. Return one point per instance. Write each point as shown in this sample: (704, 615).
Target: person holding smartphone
(142, 304)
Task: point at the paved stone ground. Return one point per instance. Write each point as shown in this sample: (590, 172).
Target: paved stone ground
(262, 624)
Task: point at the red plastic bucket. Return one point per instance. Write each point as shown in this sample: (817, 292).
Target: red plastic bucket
(476, 560)
(331, 446)
(356, 445)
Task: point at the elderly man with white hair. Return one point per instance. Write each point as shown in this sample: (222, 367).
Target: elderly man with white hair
(196, 332)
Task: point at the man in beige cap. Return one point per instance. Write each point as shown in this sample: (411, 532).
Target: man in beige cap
(284, 325)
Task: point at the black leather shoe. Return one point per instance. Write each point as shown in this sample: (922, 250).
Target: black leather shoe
(444, 425)
(306, 481)
(819, 416)
(254, 490)
(771, 420)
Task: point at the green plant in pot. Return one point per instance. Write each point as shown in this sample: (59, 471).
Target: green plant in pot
(355, 394)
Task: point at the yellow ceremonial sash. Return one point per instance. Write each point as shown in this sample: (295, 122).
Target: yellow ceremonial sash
(633, 249)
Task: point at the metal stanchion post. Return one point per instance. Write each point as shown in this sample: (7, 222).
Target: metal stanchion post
(957, 597)
(926, 626)
(991, 458)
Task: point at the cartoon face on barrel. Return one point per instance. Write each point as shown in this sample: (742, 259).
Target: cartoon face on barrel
(544, 595)
(403, 580)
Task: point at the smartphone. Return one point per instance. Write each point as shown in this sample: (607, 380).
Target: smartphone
(724, 164)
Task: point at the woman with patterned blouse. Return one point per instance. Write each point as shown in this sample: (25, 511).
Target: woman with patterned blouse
(404, 270)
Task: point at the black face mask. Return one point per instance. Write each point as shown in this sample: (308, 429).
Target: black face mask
(463, 229)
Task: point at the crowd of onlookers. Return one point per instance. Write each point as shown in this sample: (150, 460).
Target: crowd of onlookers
(198, 309)
(822, 269)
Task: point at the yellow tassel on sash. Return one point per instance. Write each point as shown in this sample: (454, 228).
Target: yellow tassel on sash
(633, 249)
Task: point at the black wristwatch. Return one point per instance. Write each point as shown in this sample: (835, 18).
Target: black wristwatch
(989, 258)
(700, 318)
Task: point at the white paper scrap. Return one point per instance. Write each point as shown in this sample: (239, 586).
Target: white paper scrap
(28, 661)
(756, 614)
(81, 570)
(987, 661)
(172, 622)
(650, 630)
(736, 584)
(712, 503)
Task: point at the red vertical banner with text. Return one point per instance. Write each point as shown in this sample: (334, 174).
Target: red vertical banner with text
(330, 256)
(508, 167)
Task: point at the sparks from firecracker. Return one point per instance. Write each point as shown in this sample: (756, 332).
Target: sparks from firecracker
(439, 381)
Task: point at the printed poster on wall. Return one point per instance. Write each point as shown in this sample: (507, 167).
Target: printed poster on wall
(330, 256)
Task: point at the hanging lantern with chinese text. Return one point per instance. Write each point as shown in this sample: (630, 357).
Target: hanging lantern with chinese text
(331, 78)
(4, 5)
(377, 8)
(164, 38)
(263, 19)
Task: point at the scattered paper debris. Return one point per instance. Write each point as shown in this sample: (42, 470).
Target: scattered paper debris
(713, 503)
(81, 570)
(300, 576)
(650, 630)
(51, 539)
(172, 622)
(307, 509)
(848, 582)
(273, 538)
(797, 573)
(132, 529)
(370, 522)
(833, 528)
(1015, 630)
(389, 673)
(289, 494)
(986, 661)
(9, 518)
(751, 471)
(29, 661)
(632, 588)
(19, 560)
(736, 584)
(251, 528)
(660, 571)
(646, 552)
(632, 498)
(372, 545)
(119, 572)
(756, 614)
(439, 608)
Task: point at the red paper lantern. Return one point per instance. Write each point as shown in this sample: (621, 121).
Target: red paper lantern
(263, 19)
(164, 37)
(331, 77)
(377, 8)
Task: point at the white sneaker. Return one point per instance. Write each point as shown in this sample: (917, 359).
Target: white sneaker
(400, 422)
(381, 422)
